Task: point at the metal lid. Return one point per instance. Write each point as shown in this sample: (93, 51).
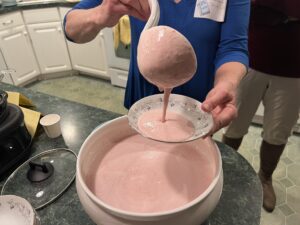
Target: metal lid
(43, 178)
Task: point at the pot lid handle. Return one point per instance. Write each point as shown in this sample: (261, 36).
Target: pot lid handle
(39, 171)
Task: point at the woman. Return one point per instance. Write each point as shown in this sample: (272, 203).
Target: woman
(216, 29)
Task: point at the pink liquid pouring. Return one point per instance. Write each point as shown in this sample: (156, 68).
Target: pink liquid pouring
(167, 92)
(146, 176)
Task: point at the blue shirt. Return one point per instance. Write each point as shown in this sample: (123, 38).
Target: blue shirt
(215, 43)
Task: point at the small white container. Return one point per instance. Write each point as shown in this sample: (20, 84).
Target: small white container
(51, 125)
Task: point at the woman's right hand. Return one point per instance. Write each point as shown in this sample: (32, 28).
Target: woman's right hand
(83, 25)
(113, 10)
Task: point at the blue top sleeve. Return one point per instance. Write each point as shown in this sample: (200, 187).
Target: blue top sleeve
(87, 4)
(233, 45)
(84, 4)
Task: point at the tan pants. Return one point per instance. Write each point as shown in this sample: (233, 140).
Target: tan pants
(281, 100)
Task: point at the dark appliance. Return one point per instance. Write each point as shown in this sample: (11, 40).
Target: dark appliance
(15, 139)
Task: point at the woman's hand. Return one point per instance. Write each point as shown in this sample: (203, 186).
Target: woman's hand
(220, 101)
(83, 25)
(113, 10)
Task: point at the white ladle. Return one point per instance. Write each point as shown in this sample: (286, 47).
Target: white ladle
(154, 15)
(165, 57)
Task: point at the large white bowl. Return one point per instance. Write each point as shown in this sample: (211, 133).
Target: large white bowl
(101, 141)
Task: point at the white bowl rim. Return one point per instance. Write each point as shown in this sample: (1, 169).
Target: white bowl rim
(125, 213)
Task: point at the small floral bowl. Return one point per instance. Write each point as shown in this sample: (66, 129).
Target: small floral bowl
(15, 210)
(183, 105)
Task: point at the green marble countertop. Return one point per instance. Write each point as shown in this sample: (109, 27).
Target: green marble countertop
(241, 199)
(36, 4)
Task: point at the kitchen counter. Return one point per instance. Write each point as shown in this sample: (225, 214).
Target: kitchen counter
(241, 199)
(36, 4)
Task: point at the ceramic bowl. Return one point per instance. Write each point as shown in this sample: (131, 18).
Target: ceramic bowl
(188, 107)
(15, 210)
(99, 142)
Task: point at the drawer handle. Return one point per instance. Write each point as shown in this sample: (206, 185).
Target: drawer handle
(7, 22)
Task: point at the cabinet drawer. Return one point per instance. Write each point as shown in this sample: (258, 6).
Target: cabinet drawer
(41, 15)
(11, 20)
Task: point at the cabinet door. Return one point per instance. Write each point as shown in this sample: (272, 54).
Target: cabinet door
(18, 54)
(50, 47)
(89, 58)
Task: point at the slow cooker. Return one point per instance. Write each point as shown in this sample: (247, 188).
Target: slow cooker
(15, 139)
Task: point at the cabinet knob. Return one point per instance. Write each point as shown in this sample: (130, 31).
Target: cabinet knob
(59, 29)
(25, 33)
(8, 22)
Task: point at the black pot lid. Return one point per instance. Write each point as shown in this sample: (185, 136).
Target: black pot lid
(43, 178)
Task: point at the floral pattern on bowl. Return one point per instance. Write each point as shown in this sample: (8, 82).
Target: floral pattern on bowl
(15, 210)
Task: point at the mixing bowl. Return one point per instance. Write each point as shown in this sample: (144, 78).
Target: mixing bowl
(96, 147)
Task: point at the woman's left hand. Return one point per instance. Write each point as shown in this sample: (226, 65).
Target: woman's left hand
(220, 102)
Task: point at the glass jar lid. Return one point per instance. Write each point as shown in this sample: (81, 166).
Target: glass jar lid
(43, 178)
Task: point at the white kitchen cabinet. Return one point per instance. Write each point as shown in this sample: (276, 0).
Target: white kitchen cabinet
(48, 39)
(50, 47)
(16, 49)
(89, 58)
(18, 53)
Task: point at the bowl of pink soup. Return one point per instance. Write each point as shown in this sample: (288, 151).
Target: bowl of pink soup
(125, 178)
(184, 120)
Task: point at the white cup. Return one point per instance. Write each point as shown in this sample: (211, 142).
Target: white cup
(51, 125)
